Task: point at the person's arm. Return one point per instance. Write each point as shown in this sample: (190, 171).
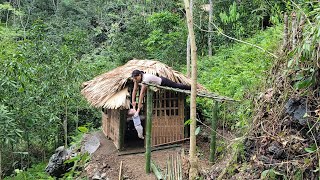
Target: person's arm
(134, 92)
(143, 90)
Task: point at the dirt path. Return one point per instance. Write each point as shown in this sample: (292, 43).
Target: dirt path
(105, 162)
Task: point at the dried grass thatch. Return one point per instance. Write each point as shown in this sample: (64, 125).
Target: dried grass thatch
(109, 90)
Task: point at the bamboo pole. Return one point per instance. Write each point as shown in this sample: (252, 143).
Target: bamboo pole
(148, 129)
(285, 33)
(294, 30)
(120, 171)
(210, 29)
(156, 171)
(200, 94)
(0, 162)
(213, 132)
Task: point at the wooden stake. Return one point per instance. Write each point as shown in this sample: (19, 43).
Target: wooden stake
(213, 132)
(148, 129)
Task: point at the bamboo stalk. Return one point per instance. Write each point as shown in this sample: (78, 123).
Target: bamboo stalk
(294, 30)
(171, 167)
(285, 33)
(200, 94)
(213, 132)
(148, 129)
(156, 171)
(168, 168)
(152, 149)
(120, 171)
(180, 167)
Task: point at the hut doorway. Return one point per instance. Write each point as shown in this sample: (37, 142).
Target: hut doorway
(131, 139)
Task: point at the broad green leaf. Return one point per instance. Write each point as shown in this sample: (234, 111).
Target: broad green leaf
(83, 129)
(311, 149)
(188, 122)
(303, 83)
(197, 131)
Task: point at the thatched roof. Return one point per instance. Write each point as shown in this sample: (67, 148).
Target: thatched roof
(109, 90)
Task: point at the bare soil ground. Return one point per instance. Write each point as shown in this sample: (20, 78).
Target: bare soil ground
(105, 162)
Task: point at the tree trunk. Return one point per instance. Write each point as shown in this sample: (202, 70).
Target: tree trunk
(210, 29)
(188, 57)
(193, 158)
(65, 126)
(188, 47)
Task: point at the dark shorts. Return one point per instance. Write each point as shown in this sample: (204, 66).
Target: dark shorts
(169, 83)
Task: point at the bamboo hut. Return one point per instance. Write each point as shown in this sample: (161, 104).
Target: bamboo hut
(111, 91)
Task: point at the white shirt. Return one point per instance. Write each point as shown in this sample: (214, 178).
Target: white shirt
(149, 78)
(136, 120)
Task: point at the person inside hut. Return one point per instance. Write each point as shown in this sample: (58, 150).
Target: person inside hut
(136, 122)
(139, 76)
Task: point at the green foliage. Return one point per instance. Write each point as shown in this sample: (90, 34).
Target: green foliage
(197, 131)
(311, 149)
(9, 131)
(304, 58)
(48, 49)
(272, 174)
(167, 40)
(35, 172)
(79, 161)
(237, 72)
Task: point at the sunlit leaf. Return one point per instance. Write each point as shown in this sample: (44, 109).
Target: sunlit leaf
(311, 149)
(197, 131)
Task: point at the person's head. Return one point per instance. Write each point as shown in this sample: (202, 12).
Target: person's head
(137, 75)
(131, 112)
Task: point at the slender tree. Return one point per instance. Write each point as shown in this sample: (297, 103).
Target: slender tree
(188, 45)
(193, 158)
(210, 28)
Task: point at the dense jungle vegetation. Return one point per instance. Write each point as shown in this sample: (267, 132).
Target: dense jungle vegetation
(49, 48)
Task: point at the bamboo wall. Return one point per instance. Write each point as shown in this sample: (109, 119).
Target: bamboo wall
(167, 117)
(110, 125)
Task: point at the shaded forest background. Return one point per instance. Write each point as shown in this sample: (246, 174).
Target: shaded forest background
(48, 48)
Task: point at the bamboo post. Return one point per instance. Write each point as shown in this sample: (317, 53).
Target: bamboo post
(213, 132)
(122, 123)
(120, 171)
(148, 129)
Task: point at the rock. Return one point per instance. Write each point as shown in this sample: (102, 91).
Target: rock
(297, 108)
(56, 166)
(97, 176)
(103, 175)
(276, 150)
(90, 144)
(248, 148)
